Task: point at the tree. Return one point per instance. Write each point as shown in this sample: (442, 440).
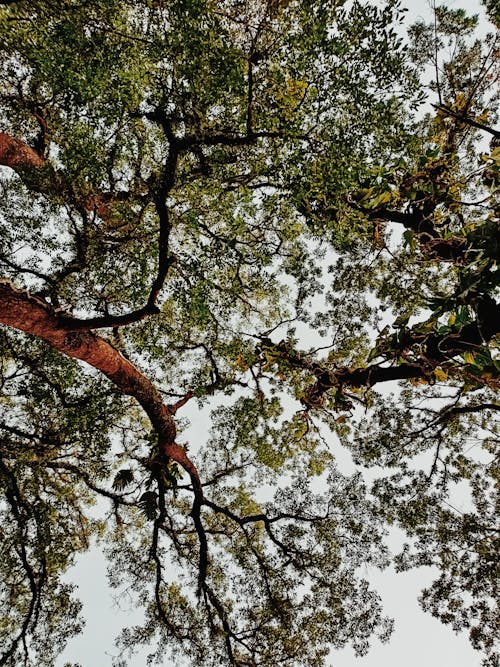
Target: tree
(191, 188)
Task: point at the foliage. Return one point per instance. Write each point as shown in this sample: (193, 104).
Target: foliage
(233, 204)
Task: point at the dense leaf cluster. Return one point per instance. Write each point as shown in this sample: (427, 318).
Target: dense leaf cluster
(233, 205)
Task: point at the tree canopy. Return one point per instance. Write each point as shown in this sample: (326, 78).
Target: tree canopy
(240, 205)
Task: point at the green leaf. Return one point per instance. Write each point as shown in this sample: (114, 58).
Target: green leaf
(148, 503)
(469, 357)
(123, 478)
(409, 238)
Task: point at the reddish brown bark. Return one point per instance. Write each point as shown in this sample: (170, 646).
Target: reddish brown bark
(101, 203)
(20, 310)
(18, 155)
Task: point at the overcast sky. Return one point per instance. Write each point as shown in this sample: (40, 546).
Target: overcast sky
(418, 638)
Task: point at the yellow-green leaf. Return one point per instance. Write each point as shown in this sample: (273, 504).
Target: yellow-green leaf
(469, 357)
(440, 375)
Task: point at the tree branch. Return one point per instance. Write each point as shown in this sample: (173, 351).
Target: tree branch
(20, 310)
(466, 119)
(17, 155)
(435, 349)
(420, 222)
(107, 321)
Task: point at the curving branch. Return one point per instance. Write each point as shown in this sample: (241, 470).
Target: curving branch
(18, 155)
(108, 321)
(23, 159)
(22, 311)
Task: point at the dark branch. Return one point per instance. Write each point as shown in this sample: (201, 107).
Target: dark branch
(467, 120)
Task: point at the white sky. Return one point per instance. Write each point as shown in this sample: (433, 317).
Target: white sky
(418, 638)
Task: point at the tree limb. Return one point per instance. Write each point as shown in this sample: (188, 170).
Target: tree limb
(466, 119)
(435, 349)
(20, 310)
(18, 155)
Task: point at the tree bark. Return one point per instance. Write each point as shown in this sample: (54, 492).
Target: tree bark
(18, 155)
(22, 311)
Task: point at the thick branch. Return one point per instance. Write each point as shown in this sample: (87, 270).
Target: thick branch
(20, 310)
(18, 155)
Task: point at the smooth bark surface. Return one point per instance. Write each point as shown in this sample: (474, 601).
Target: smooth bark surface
(20, 310)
